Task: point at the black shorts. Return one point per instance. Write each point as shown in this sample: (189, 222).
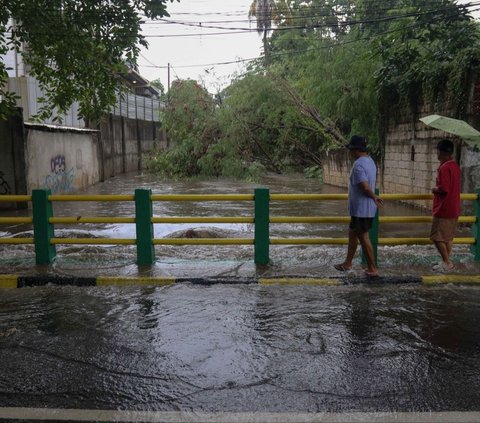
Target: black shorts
(361, 224)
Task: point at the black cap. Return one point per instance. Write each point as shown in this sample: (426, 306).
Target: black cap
(446, 146)
(357, 142)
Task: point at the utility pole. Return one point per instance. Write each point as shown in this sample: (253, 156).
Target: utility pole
(168, 76)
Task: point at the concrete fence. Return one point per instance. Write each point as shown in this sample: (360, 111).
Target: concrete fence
(66, 159)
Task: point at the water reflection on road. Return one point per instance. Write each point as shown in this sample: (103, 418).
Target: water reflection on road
(241, 348)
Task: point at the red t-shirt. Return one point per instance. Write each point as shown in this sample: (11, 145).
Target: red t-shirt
(447, 204)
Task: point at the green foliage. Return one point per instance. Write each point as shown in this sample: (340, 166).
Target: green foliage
(334, 68)
(191, 127)
(256, 127)
(314, 172)
(427, 54)
(75, 49)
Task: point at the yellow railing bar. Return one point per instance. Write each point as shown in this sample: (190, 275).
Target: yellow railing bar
(15, 198)
(109, 197)
(469, 196)
(412, 241)
(202, 197)
(385, 241)
(344, 219)
(436, 279)
(16, 220)
(93, 241)
(203, 241)
(308, 219)
(8, 281)
(203, 220)
(319, 241)
(92, 219)
(307, 197)
(16, 240)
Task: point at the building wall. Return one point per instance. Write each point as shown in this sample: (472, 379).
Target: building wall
(409, 163)
(125, 142)
(62, 160)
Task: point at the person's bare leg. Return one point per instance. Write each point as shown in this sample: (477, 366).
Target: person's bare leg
(449, 249)
(443, 248)
(367, 249)
(351, 250)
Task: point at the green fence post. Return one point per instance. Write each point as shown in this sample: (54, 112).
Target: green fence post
(144, 226)
(373, 234)
(43, 230)
(476, 228)
(262, 225)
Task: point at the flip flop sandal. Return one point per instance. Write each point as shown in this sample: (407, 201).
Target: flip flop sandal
(371, 274)
(342, 268)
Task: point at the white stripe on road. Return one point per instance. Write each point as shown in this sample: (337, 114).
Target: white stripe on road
(190, 417)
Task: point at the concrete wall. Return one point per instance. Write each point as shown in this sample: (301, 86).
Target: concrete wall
(124, 142)
(61, 159)
(409, 163)
(67, 159)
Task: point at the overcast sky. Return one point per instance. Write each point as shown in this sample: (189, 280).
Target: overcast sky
(200, 53)
(195, 52)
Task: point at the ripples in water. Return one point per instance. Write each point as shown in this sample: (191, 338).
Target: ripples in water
(241, 348)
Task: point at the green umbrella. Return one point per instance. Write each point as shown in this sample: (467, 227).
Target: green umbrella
(457, 127)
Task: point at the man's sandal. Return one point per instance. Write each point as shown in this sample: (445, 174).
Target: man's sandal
(342, 268)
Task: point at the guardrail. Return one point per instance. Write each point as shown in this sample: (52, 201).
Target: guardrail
(45, 242)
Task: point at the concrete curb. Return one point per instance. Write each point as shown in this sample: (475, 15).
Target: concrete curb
(17, 281)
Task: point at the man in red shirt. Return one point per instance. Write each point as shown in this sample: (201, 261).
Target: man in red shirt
(446, 205)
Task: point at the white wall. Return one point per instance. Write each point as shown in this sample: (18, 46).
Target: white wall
(64, 161)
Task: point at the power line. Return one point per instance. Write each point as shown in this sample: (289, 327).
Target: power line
(310, 49)
(229, 30)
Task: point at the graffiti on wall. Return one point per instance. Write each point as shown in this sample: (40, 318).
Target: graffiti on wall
(4, 187)
(60, 179)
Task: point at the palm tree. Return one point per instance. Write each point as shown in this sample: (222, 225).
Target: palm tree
(263, 11)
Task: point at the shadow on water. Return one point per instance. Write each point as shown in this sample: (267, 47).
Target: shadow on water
(241, 348)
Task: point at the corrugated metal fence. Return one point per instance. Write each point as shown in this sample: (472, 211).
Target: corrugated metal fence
(128, 105)
(138, 107)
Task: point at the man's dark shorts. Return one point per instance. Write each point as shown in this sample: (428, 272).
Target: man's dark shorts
(361, 224)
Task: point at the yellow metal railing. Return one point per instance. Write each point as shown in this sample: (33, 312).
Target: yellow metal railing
(43, 220)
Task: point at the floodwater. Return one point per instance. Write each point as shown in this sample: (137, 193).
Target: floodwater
(185, 261)
(237, 348)
(242, 348)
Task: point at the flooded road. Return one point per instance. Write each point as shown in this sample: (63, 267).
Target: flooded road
(245, 348)
(270, 353)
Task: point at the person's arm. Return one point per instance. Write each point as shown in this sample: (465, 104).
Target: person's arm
(443, 182)
(369, 193)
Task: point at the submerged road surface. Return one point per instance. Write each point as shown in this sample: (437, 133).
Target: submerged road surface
(240, 353)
